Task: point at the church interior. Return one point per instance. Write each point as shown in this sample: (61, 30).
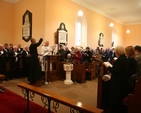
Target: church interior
(66, 24)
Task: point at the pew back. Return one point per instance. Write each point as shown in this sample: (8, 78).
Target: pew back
(133, 100)
(91, 71)
(79, 73)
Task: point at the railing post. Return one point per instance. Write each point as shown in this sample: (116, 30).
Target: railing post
(49, 105)
(27, 110)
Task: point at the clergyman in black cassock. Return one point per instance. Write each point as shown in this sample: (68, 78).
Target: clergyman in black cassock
(34, 68)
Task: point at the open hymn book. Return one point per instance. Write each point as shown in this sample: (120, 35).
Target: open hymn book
(107, 64)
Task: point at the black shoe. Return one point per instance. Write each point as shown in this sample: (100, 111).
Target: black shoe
(11, 78)
(6, 79)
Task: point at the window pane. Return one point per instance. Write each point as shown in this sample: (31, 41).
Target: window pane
(79, 32)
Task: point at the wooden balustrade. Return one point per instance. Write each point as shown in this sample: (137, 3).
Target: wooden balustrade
(76, 105)
(103, 88)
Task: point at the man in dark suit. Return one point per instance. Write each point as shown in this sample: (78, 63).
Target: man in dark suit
(25, 61)
(62, 52)
(35, 71)
(112, 55)
(2, 61)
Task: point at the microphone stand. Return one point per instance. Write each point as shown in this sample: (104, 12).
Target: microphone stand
(46, 69)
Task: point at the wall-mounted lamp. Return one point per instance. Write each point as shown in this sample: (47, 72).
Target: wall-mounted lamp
(80, 13)
(111, 24)
(128, 31)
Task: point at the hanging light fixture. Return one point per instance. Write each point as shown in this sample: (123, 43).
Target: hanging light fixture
(80, 13)
(111, 24)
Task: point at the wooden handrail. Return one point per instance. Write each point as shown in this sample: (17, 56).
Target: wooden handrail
(61, 99)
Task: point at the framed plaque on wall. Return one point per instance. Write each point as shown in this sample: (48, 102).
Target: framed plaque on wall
(27, 26)
(62, 34)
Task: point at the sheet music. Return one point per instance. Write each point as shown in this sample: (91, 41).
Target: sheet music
(46, 53)
(53, 47)
(107, 64)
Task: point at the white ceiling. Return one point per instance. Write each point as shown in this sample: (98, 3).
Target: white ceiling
(124, 11)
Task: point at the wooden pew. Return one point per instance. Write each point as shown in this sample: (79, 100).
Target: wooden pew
(133, 100)
(91, 71)
(61, 70)
(81, 107)
(79, 73)
(2, 77)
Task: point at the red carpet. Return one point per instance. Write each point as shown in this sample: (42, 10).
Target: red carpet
(13, 103)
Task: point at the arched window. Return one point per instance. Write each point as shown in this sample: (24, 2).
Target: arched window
(81, 32)
(78, 32)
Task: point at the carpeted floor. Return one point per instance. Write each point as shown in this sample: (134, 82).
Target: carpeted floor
(85, 92)
(13, 103)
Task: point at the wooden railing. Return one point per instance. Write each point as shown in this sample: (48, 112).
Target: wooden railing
(103, 88)
(73, 104)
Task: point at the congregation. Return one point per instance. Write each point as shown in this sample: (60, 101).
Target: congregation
(14, 60)
(15, 63)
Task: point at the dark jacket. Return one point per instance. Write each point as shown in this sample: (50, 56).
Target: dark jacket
(62, 52)
(35, 72)
(138, 73)
(87, 56)
(119, 81)
(131, 74)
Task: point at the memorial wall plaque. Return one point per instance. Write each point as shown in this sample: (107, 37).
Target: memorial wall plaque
(27, 26)
(62, 34)
(101, 40)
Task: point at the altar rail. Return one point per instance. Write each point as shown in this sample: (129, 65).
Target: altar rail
(76, 105)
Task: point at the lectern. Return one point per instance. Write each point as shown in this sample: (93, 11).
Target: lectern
(52, 67)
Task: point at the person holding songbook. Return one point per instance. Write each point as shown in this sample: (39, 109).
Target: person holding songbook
(118, 82)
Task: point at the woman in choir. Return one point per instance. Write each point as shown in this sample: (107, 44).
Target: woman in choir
(138, 58)
(118, 83)
(76, 56)
(130, 53)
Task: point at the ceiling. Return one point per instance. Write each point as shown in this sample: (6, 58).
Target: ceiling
(126, 12)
